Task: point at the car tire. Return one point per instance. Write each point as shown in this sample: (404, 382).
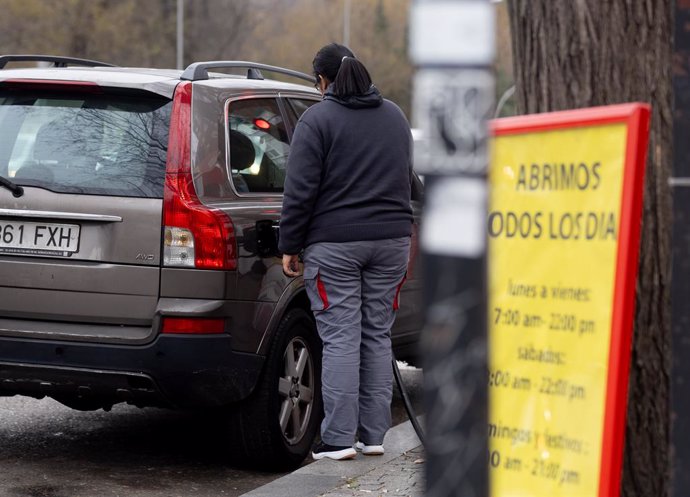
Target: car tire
(276, 426)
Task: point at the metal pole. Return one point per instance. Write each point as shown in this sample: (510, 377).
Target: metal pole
(452, 45)
(180, 34)
(680, 287)
(346, 22)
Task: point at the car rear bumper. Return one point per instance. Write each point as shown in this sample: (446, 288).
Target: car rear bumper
(171, 371)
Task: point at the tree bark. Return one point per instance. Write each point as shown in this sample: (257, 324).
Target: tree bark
(581, 53)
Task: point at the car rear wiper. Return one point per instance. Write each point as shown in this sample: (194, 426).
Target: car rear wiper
(17, 191)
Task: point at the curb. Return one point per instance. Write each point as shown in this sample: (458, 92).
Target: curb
(321, 476)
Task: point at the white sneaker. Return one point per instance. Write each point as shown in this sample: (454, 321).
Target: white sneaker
(370, 450)
(322, 451)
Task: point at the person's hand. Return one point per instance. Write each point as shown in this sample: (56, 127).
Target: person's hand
(291, 265)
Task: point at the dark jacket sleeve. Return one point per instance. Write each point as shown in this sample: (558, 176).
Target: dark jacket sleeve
(302, 182)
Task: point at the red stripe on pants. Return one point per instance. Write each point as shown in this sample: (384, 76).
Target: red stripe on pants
(322, 291)
(396, 301)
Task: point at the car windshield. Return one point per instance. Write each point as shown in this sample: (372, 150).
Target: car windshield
(93, 143)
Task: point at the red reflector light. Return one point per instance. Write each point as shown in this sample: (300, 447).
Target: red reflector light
(261, 123)
(193, 326)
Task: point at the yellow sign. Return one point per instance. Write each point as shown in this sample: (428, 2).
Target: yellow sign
(554, 230)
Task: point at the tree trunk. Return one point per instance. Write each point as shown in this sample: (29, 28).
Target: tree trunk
(580, 53)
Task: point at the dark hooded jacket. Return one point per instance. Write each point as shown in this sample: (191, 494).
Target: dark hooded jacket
(349, 173)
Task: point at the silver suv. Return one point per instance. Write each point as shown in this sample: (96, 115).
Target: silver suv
(138, 247)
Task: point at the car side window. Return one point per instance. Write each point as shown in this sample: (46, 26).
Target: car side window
(300, 105)
(259, 145)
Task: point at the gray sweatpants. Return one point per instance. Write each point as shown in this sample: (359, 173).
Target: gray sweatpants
(353, 289)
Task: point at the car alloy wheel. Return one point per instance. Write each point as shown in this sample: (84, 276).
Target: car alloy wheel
(275, 427)
(296, 390)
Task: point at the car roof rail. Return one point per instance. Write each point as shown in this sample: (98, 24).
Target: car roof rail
(57, 60)
(199, 70)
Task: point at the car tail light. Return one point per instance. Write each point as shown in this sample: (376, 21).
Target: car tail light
(194, 235)
(193, 326)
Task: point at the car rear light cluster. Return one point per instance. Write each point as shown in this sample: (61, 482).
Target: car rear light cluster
(195, 235)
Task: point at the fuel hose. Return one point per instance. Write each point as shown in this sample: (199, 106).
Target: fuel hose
(406, 402)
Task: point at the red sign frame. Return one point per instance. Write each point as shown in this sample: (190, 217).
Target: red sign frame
(637, 118)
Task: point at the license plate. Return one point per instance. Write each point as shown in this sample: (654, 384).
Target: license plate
(23, 237)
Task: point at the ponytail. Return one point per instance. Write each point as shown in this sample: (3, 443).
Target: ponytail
(348, 76)
(352, 78)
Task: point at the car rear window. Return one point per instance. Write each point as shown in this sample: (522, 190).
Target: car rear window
(85, 142)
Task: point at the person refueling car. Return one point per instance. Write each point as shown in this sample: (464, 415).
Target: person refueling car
(346, 204)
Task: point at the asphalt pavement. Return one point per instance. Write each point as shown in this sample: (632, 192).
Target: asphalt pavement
(48, 450)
